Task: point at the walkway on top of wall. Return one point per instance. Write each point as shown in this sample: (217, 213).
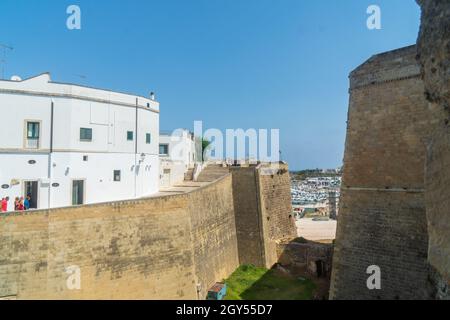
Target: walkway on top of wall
(210, 173)
(184, 187)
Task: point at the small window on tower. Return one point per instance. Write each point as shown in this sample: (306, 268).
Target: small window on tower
(117, 175)
(86, 134)
(130, 135)
(85, 158)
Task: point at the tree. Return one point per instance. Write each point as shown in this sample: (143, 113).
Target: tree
(205, 145)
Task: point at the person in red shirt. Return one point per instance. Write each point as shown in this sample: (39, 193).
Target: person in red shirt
(20, 205)
(5, 204)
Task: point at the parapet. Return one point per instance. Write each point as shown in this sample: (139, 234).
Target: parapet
(399, 64)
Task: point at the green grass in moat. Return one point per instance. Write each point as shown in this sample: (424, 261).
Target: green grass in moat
(252, 283)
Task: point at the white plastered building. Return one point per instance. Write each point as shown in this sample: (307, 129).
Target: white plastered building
(178, 154)
(69, 145)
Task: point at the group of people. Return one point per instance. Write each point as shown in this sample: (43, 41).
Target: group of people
(20, 204)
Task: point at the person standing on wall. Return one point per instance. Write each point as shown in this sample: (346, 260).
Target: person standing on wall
(16, 204)
(26, 203)
(20, 205)
(5, 204)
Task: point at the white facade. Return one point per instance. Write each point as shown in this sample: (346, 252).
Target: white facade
(178, 154)
(69, 144)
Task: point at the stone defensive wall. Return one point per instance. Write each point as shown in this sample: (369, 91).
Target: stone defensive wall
(263, 207)
(382, 217)
(434, 56)
(171, 247)
(167, 247)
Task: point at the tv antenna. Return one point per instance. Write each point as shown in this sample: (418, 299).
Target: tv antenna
(4, 48)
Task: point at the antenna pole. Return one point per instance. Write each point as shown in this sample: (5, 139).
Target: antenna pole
(4, 48)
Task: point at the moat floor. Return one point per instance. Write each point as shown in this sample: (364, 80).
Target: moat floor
(317, 230)
(251, 283)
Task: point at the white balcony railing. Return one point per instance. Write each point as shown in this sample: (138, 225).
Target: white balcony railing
(32, 144)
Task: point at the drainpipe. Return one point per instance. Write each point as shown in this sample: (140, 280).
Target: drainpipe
(136, 150)
(50, 153)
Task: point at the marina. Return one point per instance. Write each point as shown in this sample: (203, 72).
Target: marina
(315, 195)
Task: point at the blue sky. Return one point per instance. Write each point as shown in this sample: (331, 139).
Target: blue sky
(280, 64)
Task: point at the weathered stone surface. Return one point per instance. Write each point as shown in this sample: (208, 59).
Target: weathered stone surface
(394, 133)
(434, 57)
(382, 218)
(306, 255)
(438, 207)
(434, 50)
(171, 247)
(158, 248)
(248, 219)
(263, 209)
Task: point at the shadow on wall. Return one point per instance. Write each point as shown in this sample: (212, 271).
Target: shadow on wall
(280, 284)
(303, 272)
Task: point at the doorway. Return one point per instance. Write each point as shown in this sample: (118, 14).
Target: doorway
(166, 178)
(31, 189)
(77, 192)
(320, 268)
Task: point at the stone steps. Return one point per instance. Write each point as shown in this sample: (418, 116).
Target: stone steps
(212, 173)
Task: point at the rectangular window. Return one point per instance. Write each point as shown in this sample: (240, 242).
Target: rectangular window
(85, 134)
(148, 138)
(117, 175)
(32, 130)
(130, 135)
(77, 192)
(32, 134)
(164, 149)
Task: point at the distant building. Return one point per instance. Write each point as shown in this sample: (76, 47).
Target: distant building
(178, 154)
(332, 205)
(68, 145)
